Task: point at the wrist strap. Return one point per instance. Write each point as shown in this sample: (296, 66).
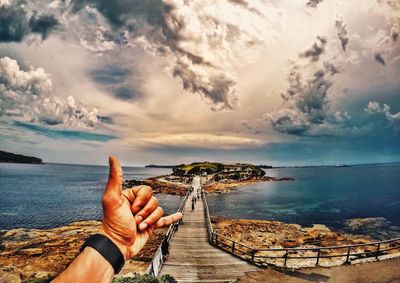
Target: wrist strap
(107, 249)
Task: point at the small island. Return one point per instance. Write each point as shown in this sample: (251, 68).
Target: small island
(8, 157)
(219, 177)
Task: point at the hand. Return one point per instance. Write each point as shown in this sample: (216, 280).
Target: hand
(130, 216)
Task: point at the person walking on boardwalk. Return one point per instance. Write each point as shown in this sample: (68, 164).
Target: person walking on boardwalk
(192, 204)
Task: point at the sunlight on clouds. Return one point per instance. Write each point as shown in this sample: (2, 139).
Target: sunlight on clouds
(198, 141)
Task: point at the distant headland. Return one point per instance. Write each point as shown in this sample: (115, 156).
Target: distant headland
(159, 166)
(9, 157)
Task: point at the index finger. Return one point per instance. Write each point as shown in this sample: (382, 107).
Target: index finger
(143, 195)
(168, 220)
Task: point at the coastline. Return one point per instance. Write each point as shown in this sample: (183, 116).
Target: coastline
(168, 184)
(269, 234)
(27, 254)
(226, 187)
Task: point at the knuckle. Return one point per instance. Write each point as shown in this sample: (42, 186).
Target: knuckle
(147, 189)
(105, 200)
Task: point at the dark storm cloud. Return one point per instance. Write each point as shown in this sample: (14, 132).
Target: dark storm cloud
(316, 50)
(43, 24)
(309, 104)
(15, 24)
(163, 27)
(342, 33)
(131, 13)
(379, 58)
(314, 3)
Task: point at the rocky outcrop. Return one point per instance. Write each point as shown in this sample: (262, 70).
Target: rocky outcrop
(261, 234)
(33, 253)
(226, 185)
(161, 185)
(219, 171)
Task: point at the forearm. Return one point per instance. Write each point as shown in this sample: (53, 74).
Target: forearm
(89, 266)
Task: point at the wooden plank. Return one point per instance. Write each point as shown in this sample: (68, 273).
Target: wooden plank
(192, 259)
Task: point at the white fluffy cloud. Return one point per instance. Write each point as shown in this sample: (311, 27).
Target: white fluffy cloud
(27, 94)
(374, 107)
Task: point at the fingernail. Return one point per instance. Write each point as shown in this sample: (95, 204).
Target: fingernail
(143, 226)
(139, 218)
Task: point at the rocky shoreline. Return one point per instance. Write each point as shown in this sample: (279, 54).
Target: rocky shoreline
(261, 234)
(41, 253)
(229, 185)
(172, 185)
(27, 254)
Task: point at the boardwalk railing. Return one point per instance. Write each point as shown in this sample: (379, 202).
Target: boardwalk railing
(158, 259)
(308, 256)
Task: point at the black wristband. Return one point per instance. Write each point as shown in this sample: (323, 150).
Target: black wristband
(107, 249)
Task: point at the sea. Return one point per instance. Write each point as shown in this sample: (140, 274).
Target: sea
(51, 195)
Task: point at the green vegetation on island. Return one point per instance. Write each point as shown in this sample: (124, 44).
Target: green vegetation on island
(221, 171)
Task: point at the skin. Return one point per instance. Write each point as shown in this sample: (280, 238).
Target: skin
(129, 218)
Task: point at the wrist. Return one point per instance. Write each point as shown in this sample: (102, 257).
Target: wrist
(124, 249)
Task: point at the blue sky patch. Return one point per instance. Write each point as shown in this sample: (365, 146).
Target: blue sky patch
(64, 134)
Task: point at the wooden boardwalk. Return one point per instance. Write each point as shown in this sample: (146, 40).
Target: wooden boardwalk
(192, 259)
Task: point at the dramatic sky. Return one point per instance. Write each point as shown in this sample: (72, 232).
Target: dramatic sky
(282, 82)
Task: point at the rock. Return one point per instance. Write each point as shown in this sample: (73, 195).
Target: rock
(10, 276)
(32, 251)
(29, 254)
(367, 223)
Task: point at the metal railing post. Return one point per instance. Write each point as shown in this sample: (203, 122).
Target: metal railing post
(286, 256)
(377, 251)
(319, 253)
(348, 255)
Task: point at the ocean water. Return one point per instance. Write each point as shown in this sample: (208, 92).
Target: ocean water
(51, 195)
(328, 196)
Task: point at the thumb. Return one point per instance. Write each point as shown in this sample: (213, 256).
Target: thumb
(114, 184)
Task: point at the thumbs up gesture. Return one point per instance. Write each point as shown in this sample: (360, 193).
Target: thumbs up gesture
(130, 216)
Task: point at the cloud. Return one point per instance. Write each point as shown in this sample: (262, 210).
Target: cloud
(199, 140)
(306, 100)
(64, 134)
(202, 42)
(316, 50)
(314, 3)
(15, 24)
(379, 58)
(116, 79)
(394, 33)
(289, 121)
(43, 24)
(374, 107)
(342, 33)
(26, 94)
